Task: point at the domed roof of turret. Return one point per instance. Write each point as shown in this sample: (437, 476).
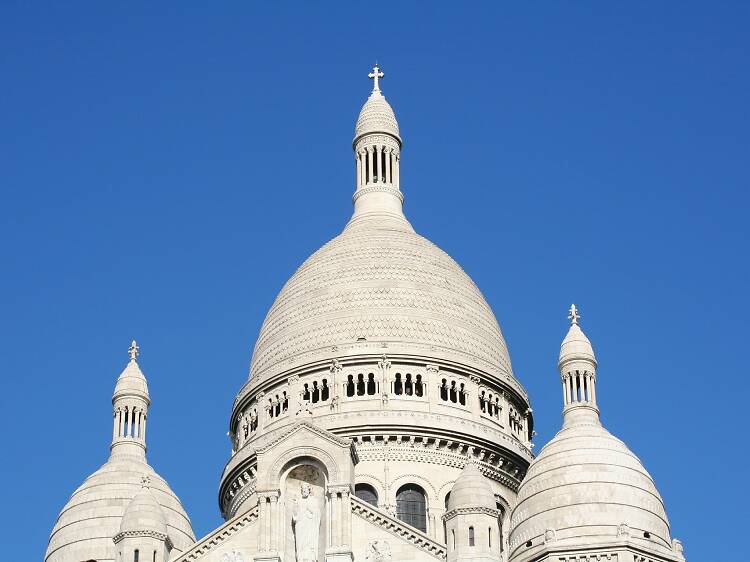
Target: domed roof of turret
(132, 381)
(377, 115)
(576, 346)
(144, 514)
(472, 489)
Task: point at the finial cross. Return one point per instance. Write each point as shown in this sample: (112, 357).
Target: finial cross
(146, 481)
(133, 351)
(573, 315)
(376, 74)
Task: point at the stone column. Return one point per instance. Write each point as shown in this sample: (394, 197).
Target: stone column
(143, 427)
(273, 521)
(433, 385)
(123, 415)
(359, 169)
(566, 392)
(115, 423)
(388, 152)
(472, 396)
(397, 171)
(370, 157)
(378, 164)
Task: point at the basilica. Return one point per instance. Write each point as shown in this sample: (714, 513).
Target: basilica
(381, 421)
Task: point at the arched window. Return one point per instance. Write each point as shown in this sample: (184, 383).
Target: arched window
(367, 493)
(411, 506)
(135, 555)
(471, 536)
(501, 513)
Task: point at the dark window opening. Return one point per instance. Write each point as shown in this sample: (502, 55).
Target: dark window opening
(366, 493)
(411, 506)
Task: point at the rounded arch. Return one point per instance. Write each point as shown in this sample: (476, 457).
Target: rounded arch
(411, 505)
(300, 455)
(429, 489)
(366, 493)
(376, 483)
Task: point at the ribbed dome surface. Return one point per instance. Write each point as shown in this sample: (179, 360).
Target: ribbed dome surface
(376, 116)
(583, 485)
(384, 284)
(472, 489)
(93, 515)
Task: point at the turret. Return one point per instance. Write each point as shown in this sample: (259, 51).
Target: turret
(377, 155)
(471, 525)
(130, 403)
(143, 529)
(577, 366)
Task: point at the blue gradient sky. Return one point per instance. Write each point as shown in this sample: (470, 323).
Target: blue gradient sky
(165, 169)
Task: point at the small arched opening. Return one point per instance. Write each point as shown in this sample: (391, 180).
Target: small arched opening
(366, 493)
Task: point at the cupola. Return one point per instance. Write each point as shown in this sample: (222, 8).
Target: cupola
(587, 494)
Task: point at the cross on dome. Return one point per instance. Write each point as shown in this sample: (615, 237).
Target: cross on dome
(376, 74)
(134, 351)
(145, 481)
(573, 315)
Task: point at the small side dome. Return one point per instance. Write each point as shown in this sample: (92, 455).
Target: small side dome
(144, 514)
(377, 116)
(472, 489)
(576, 347)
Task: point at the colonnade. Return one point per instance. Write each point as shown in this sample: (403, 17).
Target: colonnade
(129, 422)
(579, 387)
(377, 165)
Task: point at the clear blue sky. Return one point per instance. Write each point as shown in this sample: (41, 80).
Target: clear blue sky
(164, 169)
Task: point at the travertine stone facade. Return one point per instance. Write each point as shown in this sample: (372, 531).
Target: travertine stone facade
(382, 421)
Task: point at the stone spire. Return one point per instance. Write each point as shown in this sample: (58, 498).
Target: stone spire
(377, 155)
(130, 403)
(577, 366)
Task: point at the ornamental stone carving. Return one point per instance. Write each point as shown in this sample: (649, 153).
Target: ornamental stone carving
(378, 551)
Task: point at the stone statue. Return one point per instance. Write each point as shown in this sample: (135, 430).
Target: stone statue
(306, 525)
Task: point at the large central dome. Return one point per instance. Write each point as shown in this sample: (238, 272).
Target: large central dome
(379, 281)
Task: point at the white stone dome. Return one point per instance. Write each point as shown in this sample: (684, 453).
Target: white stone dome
(94, 513)
(582, 488)
(471, 490)
(380, 282)
(144, 514)
(376, 116)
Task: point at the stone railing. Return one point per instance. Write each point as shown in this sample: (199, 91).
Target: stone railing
(217, 537)
(398, 528)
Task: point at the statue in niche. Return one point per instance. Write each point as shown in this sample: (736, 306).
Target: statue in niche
(306, 525)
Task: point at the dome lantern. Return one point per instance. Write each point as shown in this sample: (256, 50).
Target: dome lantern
(577, 365)
(377, 151)
(130, 403)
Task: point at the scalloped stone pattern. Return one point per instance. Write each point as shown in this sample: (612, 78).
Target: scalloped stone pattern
(381, 284)
(376, 116)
